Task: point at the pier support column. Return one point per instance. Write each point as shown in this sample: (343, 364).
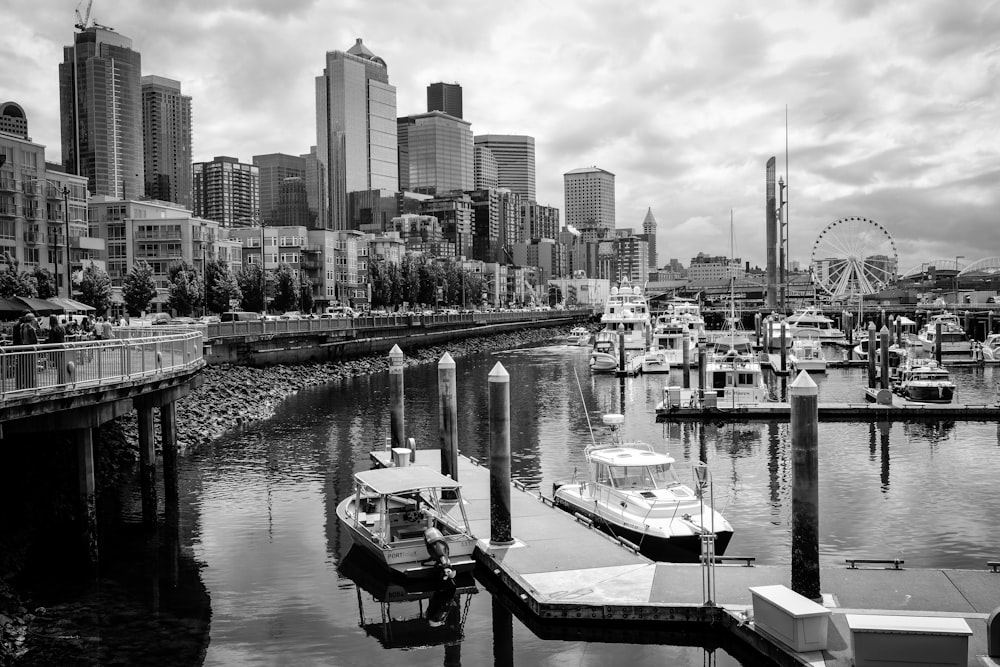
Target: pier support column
(702, 372)
(756, 328)
(621, 348)
(871, 355)
(967, 321)
(503, 634)
(767, 333)
(500, 528)
(448, 423)
(784, 350)
(884, 356)
(805, 487)
(686, 360)
(88, 501)
(171, 499)
(989, 323)
(396, 361)
(147, 463)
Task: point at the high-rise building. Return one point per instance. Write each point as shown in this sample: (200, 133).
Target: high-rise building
(649, 236)
(355, 129)
(590, 198)
(515, 158)
(166, 140)
(485, 169)
(435, 153)
(274, 169)
(315, 178)
(227, 191)
(446, 97)
(13, 121)
(538, 221)
(100, 102)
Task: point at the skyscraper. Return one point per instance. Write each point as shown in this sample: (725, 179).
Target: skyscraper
(227, 191)
(649, 236)
(166, 139)
(515, 158)
(485, 168)
(435, 153)
(101, 112)
(355, 129)
(274, 169)
(590, 198)
(446, 97)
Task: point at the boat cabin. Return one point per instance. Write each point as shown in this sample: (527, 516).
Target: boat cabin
(632, 467)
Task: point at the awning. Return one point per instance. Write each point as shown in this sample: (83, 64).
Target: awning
(39, 306)
(70, 305)
(10, 309)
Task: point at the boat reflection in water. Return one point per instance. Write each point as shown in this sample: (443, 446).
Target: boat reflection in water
(404, 614)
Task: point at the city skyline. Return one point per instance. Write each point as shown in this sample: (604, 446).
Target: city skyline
(890, 109)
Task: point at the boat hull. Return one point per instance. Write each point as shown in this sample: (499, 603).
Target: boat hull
(928, 394)
(672, 549)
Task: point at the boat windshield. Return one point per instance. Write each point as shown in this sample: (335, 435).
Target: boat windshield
(643, 477)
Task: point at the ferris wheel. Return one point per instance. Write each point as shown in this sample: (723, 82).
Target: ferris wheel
(853, 257)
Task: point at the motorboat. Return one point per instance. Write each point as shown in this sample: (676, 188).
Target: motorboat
(924, 381)
(634, 493)
(897, 353)
(991, 347)
(411, 519)
(578, 336)
(687, 314)
(655, 361)
(604, 355)
(812, 323)
(669, 336)
(954, 340)
(627, 308)
(732, 340)
(736, 379)
(807, 355)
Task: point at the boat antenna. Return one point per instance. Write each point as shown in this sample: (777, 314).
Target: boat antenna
(586, 412)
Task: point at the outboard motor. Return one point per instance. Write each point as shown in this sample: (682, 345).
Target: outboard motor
(441, 604)
(437, 548)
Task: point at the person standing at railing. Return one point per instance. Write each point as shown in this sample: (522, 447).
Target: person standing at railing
(106, 332)
(27, 361)
(57, 334)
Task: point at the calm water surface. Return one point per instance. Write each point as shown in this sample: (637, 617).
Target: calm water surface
(258, 521)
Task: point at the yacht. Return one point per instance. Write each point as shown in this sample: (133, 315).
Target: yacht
(633, 493)
(578, 336)
(655, 361)
(686, 313)
(897, 353)
(924, 381)
(991, 347)
(954, 340)
(807, 355)
(604, 355)
(668, 339)
(627, 307)
(811, 322)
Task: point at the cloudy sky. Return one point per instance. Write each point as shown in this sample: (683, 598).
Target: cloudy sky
(892, 106)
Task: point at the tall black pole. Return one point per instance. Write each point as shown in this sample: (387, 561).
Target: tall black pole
(69, 273)
(805, 486)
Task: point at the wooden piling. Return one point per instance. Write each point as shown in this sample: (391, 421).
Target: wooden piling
(168, 436)
(702, 372)
(621, 348)
(784, 349)
(884, 356)
(756, 328)
(147, 463)
(448, 422)
(989, 323)
(396, 410)
(88, 499)
(871, 355)
(937, 342)
(805, 487)
(499, 392)
(686, 359)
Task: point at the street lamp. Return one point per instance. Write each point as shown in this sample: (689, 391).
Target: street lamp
(957, 257)
(69, 275)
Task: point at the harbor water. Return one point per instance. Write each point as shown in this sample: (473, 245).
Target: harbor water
(257, 579)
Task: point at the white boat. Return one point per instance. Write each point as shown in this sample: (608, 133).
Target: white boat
(924, 381)
(772, 331)
(737, 380)
(400, 516)
(991, 347)
(807, 355)
(954, 340)
(812, 323)
(655, 361)
(897, 353)
(686, 313)
(633, 493)
(627, 307)
(578, 336)
(604, 355)
(668, 338)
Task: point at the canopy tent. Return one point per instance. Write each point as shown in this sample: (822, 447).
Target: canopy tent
(10, 309)
(38, 306)
(70, 305)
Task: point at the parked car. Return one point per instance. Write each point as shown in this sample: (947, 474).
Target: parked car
(159, 318)
(182, 320)
(239, 316)
(291, 315)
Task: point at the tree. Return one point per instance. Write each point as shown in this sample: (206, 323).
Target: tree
(138, 288)
(286, 289)
(220, 286)
(45, 283)
(305, 293)
(249, 280)
(13, 281)
(185, 294)
(95, 288)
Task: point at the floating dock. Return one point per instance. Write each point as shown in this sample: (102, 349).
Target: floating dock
(899, 410)
(560, 572)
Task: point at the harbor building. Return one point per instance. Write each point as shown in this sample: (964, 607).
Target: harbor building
(166, 140)
(101, 110)
(355, 129)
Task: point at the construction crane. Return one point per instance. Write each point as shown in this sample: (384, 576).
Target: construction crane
(81, 22)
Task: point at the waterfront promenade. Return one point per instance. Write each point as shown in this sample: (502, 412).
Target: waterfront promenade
(561, 571)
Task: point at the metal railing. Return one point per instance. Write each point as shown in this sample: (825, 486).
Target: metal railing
(134, 353)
